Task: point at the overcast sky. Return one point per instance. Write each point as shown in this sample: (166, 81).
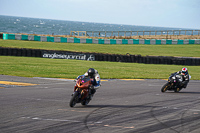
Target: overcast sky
(162, 13)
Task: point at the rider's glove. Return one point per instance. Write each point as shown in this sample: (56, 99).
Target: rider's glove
(79, 77)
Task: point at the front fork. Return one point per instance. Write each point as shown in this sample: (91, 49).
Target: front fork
(174, 85)
(81, 93)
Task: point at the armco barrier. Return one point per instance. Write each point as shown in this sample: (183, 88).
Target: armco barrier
(100, 57)
(98, 41)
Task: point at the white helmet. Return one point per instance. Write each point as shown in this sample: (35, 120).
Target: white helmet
(184, 71)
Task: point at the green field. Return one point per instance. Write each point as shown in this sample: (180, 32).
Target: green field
(190, 50)
(61, 68)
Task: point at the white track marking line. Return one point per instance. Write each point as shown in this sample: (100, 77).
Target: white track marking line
(42, 119)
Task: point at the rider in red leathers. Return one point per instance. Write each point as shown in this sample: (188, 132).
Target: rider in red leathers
(92, 73)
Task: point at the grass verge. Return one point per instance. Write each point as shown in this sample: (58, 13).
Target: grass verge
(61, 68)
(190, 50)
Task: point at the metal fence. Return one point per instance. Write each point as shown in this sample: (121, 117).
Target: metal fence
(133, 33)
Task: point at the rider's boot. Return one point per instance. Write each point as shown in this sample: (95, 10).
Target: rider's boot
(92, 93)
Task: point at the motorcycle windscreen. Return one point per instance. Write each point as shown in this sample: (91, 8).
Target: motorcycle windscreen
(84, 80)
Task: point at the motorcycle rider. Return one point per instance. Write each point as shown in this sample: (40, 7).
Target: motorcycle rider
(185, 75)
(94, 75)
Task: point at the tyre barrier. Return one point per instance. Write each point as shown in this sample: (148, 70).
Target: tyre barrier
(97, 41)
(20, 52)
(168, 60)
(1, 35)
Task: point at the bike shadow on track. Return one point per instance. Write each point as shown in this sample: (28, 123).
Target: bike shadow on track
(115, 106)
(182, 92)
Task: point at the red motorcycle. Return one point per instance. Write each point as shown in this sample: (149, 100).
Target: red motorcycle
(81, 92)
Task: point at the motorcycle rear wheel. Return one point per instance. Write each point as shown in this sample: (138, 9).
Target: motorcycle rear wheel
(165, 87)
(73, 100)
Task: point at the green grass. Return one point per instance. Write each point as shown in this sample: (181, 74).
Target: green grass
(191, 50)
(62, 68)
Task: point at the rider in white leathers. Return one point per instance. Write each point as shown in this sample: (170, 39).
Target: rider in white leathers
(186, 77)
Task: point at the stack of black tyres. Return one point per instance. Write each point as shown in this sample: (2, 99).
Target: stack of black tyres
(110, 57)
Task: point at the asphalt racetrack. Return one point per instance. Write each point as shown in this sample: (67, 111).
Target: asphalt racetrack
(120, 106)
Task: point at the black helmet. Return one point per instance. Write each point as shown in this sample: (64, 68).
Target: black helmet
(91, 72)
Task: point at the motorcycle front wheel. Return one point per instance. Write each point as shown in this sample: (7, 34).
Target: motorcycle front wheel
(74, 99)
(85, 102)
(165, 87)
